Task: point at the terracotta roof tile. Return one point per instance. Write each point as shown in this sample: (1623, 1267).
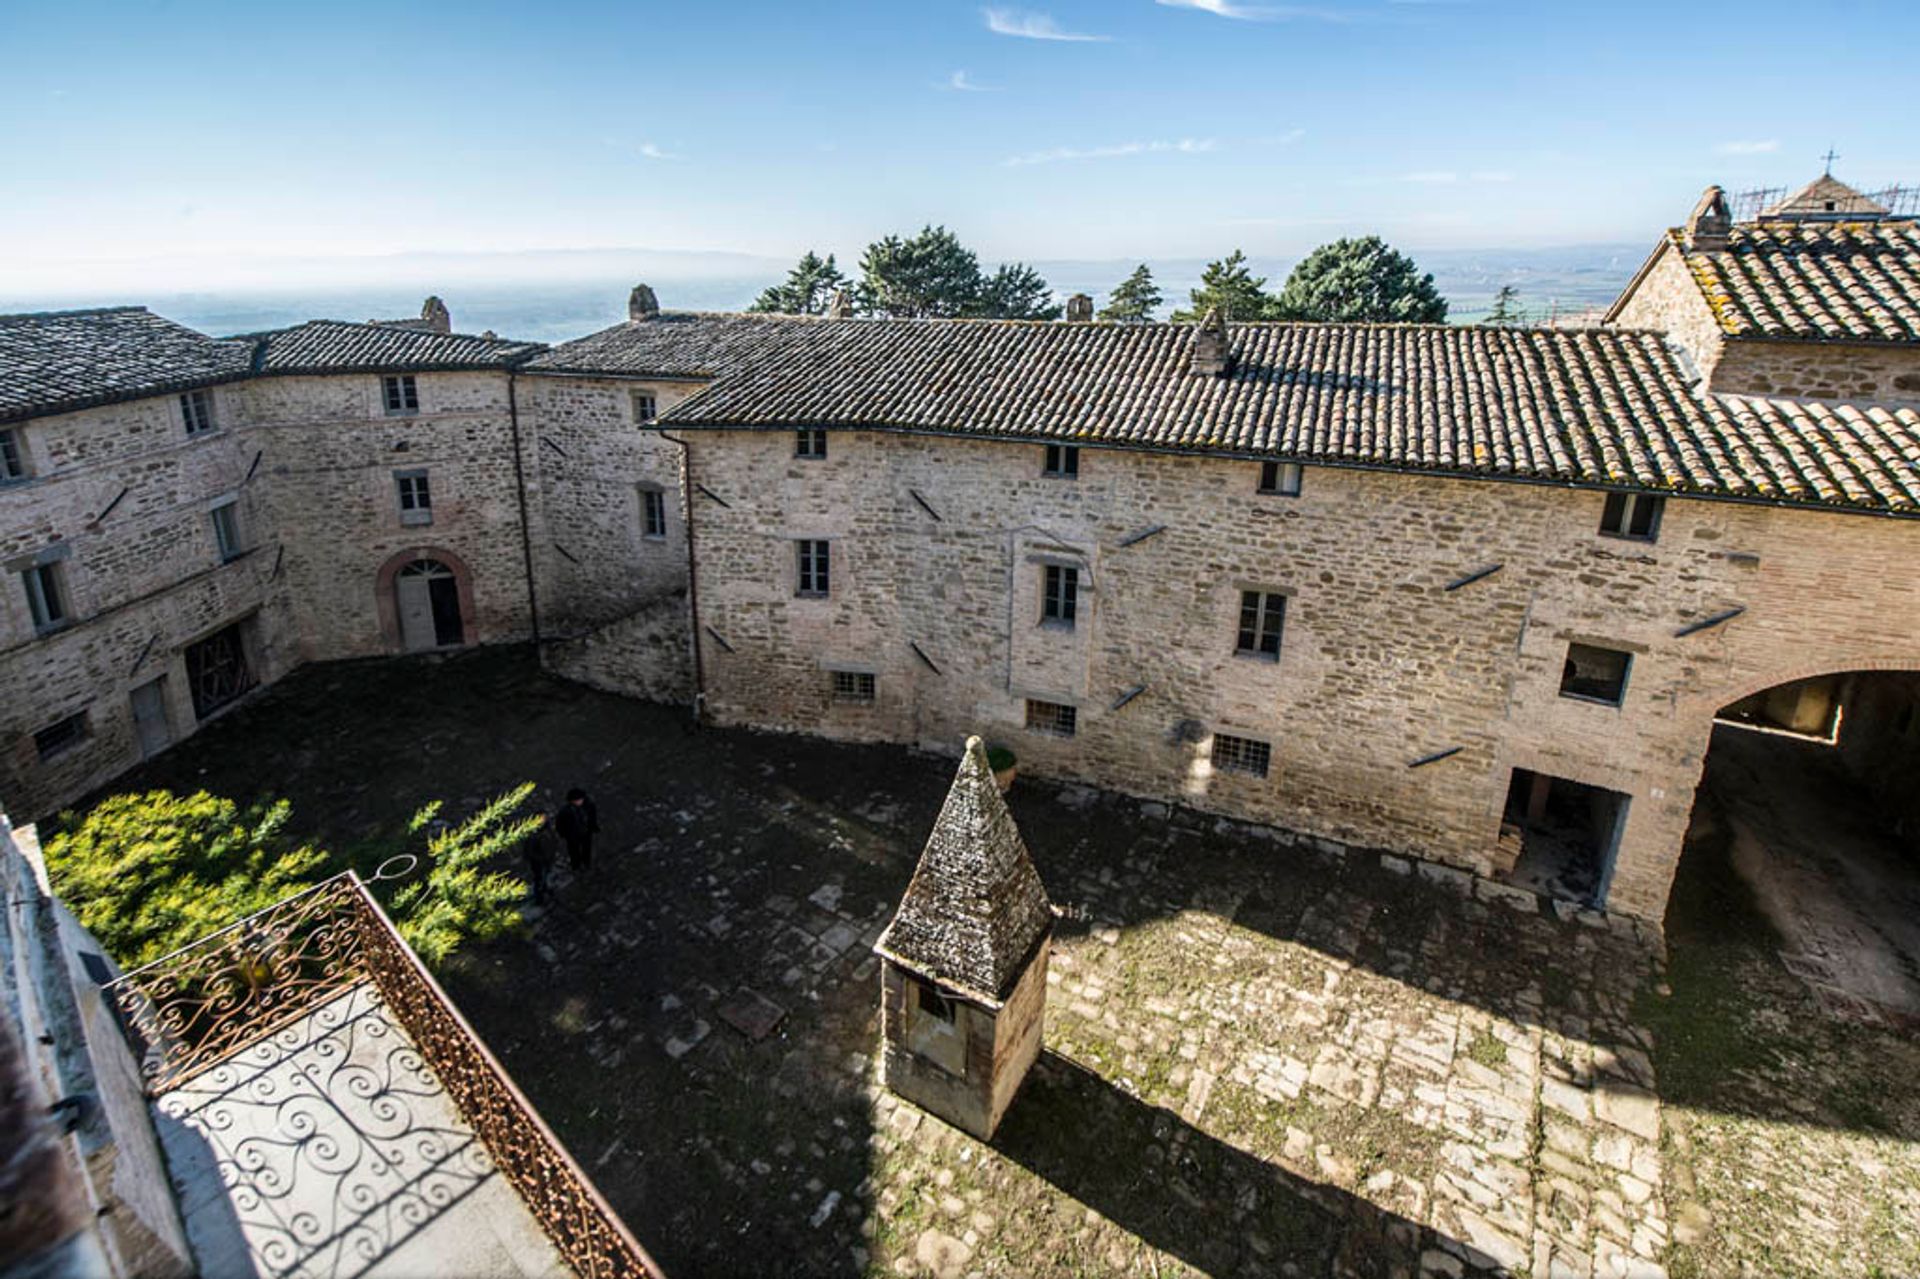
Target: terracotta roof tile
(60, 361)
(676, 344)
(338, 346)
(1855, 281)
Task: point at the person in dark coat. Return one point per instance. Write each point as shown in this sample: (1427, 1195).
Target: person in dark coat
(578, 821)
(537, 848)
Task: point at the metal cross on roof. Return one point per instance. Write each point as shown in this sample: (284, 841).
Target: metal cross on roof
(1830, 157)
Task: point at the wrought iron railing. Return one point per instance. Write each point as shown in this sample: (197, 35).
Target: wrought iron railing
(203, 1003)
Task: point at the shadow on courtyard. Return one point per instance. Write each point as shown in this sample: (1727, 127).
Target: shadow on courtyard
(745, 871)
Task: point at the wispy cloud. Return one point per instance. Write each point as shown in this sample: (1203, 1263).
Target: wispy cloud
(654, 151)
(1183, 146)
(961, 82)
(1264, 12)
(1766, 147)
(1028, 24)
(1448, 177)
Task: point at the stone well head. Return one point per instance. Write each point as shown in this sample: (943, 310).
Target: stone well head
(964, 963)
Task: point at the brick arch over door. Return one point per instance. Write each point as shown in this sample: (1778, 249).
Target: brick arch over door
(386, 599)
(1834, 662)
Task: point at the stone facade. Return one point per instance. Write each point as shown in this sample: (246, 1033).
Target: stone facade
(1666, 298)
(1380, 665)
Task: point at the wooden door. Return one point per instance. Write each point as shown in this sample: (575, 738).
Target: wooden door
(150, 717)
(415, 597)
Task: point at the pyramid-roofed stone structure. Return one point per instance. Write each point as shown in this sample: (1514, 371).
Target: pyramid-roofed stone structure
(976, 908)
(1825, 196)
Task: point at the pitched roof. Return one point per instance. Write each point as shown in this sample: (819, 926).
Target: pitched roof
(975, 909)
(338, 346)
(677, 344)
(1607, 407)
(60, 361)
(1853, 281)
(1825, 197)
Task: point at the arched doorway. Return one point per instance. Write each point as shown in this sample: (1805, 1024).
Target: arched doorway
(424, 597)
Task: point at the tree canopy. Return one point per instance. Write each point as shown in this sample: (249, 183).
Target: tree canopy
(932, 275)
(807, 290)
(1134, 299)
(1231, 288)
(1359, 281)
(1506, 307)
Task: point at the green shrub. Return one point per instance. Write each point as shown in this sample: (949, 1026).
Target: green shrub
(460, 900)
(1000, 759)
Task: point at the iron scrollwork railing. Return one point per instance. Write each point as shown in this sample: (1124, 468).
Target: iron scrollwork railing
(200, 1005)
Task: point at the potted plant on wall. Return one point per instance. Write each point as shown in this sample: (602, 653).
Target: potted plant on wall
(1003, 764)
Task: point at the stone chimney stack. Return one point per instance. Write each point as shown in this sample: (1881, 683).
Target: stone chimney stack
(1211, 356)
(841, 307)
(434, 317)
(642, 305)
(1079, 309)
(1710, 224)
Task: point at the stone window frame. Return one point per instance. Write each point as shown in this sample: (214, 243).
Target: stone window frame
(400, 394)
(653, 511)
(229, 535)
(1059, 595)
(1053, 719)
(813, 568)
(1622, 511)
(1062, 462)
(1241, 756)
(16, 466)
(68, 733)
(810, 443)
(197, 412)
(413, 490)
(646, 407)
(1264, 611)
(1569, 674)
(1281, 479)
(853, 686)
(49, 599)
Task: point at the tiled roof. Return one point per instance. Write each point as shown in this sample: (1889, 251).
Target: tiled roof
(1853, 281)
(975, 909)
(1594, 406)
(1825, 196)
(59, 361)
(337, 346)
(677, 344)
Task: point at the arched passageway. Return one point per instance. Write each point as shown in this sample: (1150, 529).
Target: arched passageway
(424, 597)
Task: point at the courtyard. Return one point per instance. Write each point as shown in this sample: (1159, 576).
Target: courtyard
(1262, 1056)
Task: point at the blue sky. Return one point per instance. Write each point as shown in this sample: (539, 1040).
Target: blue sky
(240, 134)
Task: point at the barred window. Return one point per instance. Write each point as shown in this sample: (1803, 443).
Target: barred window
(1595, 674)
(401, 395)
(810, 443)
(1632, 515)
(1063, 462)
(645, 407)
(1060, 594)
(1052, 717)
(814, 554)
(416, 497)
(226, 529)
(1280, 479)
(1241, 755)
(13, 460)
(853, 686)
(653, 513)
(196, 410)
(62, 736)
(1263, 614)
(46, 598)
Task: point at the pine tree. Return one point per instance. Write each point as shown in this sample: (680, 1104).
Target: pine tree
(930, 275)
(1015, 291)
(460, 900)
(1506, 308)
(807, 290)
(1134, 299)
(1360, 281)
(1232, 289)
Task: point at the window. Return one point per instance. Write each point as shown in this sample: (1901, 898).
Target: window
(196, 410)
(1280, 479)
(46, 600)
(416, 497)
(1595, 674)
(653, 513)
(226, 529)
(810, 443)
(1063, 462)
(932, 1003)
(814, 560)
(13, 459)
(1635, 515)
(645, 407)
(63, 736)
(1052, 717)
(853, 686)
(1061, 600)
(1263, 614)
(401, 395)
(1241, 755)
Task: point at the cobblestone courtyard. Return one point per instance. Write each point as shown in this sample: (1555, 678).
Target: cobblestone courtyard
(1261, 1058)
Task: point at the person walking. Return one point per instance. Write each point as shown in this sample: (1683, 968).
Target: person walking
(578, 821)
(537, 847)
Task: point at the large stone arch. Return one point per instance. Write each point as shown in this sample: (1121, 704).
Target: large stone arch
(387, 606)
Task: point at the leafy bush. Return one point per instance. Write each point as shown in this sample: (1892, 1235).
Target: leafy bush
(460, 900)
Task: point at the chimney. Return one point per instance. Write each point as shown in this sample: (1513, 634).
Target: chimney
(841, 307)
(1210, 356)
(642, 305)
(1079, 309)
(434, 317)
(1710, 224)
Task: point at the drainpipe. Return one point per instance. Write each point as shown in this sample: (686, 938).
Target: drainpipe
(520, 489)
(693, 575)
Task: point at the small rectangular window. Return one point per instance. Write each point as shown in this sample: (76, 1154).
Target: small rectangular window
(1632, 515)
(1054, 718)
(401, 395)
(196, 410)
(814, 576)
(416, 497)
(1060, 602)
(853, 686)
(13, 459)
(1063, 462)
(810, 443)
(1241, 755)
(1595, 674)
(46, 599)
(226, 530)
(1280, 479)
(1263, 614)
(55, 739)
(932, 1003)
(653, 513)
(645, 407)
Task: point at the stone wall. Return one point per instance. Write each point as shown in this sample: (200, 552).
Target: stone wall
(1819, 370)
(1381, 665)
(1668, 299)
